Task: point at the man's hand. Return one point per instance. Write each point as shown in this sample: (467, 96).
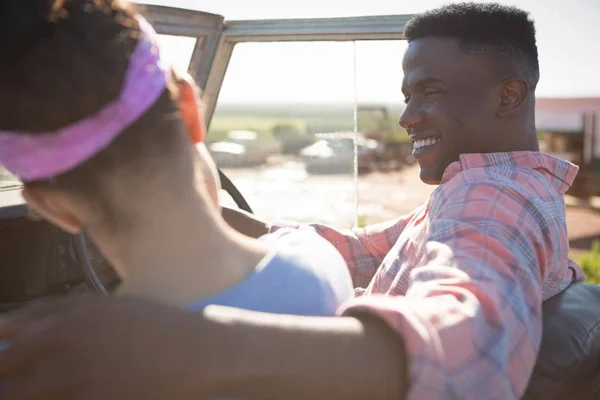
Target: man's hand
(103, 348)
(95, 347)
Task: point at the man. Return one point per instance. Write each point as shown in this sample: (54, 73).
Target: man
(448, 298)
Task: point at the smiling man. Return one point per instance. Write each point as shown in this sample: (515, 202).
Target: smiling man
(448, 299)
(469, 79)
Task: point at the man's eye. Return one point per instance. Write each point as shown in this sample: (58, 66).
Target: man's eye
(406, 99)
(428, 93)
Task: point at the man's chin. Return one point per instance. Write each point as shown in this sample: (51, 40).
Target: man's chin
(430, 176)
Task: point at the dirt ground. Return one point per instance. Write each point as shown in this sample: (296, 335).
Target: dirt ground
(285, 191)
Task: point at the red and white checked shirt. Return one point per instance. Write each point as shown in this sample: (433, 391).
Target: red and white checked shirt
(462, 278)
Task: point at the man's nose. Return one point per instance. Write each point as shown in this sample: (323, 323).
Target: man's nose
(411, 116)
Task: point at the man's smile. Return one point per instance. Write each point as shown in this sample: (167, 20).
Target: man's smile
(422, 147)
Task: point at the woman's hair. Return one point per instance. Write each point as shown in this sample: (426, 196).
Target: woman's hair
(63, 61)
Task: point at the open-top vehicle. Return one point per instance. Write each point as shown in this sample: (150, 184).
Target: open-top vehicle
(39, 260)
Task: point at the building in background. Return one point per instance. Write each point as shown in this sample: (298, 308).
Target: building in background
(571, 130)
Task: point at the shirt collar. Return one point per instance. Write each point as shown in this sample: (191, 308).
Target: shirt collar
(563, 171)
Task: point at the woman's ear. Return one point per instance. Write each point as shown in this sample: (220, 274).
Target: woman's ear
(53, 208)
(190, 110)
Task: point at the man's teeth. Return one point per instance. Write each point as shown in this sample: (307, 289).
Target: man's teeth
(425, 142)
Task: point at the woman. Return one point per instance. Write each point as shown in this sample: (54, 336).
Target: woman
(98, 126)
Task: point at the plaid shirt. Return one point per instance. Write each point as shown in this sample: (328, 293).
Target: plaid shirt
(462, 278)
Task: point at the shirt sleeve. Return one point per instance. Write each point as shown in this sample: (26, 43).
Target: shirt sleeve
(363, 249)
(471, 318)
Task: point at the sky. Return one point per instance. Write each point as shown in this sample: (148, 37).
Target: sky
(568, 36)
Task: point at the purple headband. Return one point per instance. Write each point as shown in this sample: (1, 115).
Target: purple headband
(45, 155)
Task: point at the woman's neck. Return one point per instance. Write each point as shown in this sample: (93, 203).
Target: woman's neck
(185, 253)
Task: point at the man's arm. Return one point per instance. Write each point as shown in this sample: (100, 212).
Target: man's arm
(470, 322)
(126, 349)
(363, 249)
(292, 357)
(471, 317)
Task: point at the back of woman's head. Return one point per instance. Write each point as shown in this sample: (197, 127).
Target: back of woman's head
(62, 62)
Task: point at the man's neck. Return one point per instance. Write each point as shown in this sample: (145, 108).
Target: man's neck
(184, 254)
(522, 137)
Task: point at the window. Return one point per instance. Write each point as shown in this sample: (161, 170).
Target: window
(284, 131)
(178, 50)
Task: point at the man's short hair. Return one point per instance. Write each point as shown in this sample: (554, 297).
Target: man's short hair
(484, 29)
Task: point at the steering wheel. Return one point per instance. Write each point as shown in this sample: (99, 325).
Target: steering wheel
(83, 257)
(233, 191)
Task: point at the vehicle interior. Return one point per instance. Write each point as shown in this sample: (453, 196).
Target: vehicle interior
(39, 260)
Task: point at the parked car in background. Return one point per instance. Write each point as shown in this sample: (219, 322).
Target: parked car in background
(334, 154)
(242, 149)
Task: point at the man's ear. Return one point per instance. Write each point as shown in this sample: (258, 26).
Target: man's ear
(52, 206)
(190, 110)
(513, 93)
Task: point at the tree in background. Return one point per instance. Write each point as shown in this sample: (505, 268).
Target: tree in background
(291, 138)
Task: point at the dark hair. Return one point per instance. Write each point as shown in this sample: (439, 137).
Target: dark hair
(503, 32)
(61, 62)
